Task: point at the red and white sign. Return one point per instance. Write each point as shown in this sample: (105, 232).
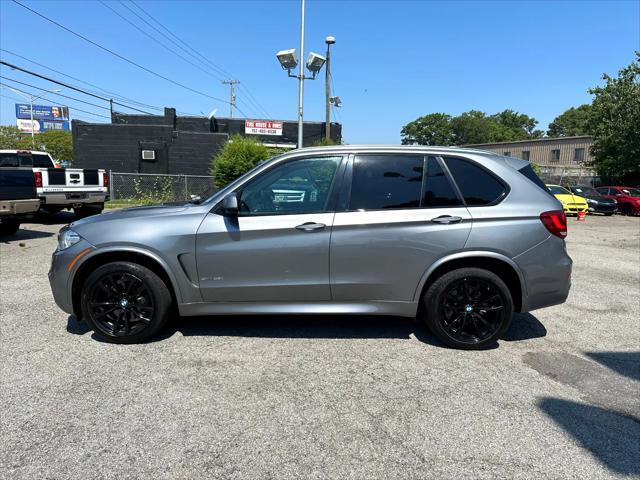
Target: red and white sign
(262, 127)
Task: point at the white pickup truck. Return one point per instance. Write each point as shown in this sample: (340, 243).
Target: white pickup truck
(84, 190)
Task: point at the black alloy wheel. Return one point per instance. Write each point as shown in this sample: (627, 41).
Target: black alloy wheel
(468, 308)
(125, 302)
(471, 309)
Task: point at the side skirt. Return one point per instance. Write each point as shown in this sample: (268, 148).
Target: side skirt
(400, 309)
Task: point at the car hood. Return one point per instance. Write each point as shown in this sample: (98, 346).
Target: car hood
(598, 198)
(570, 198)
(134, 212)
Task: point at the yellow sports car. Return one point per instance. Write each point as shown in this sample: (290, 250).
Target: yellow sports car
(570, 203)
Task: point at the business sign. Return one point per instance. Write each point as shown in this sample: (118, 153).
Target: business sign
(41, 125)
(42, 112)
(262, 127)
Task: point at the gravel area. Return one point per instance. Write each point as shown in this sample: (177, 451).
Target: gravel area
(325, 397)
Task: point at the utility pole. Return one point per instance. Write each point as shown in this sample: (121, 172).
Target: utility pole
(301, 82)
(327, 88)
(232, 96)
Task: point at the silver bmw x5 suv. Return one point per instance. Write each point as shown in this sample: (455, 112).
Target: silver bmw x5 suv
(458, 238)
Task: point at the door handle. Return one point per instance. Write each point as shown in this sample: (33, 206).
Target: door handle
(446, 219)
(310, 226)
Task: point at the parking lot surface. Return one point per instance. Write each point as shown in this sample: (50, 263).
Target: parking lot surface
(326, 397)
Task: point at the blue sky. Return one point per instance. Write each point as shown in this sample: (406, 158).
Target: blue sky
(393, 61)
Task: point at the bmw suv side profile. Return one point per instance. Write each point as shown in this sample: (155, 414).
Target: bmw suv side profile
(459, 238)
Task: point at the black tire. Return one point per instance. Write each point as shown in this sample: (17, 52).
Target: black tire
(447, 302)
(9, 226)
(124, 302)
(608, 214)
(88, 210)
(627, 209)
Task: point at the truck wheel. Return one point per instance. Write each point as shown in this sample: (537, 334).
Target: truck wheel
(88, 210)
(9, 226)
(468, 308)
(124, 302)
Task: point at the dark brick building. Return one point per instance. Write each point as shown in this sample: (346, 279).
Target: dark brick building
(171, 144)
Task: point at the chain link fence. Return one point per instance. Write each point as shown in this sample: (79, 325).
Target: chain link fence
(567, 176)
(147, 189)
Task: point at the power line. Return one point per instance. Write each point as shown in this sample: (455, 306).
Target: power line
(49, 101)
(201, 58)
(110, 93)
(118, 55)
(54, 93)
(49, 79)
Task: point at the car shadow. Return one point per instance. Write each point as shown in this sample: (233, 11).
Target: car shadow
(59, 218)
(24, 234)
(613, 438)
(624, 363)
(524, 326)
(315, 326)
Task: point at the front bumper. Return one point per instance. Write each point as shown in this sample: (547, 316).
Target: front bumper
(575, 207)
(603, 208)
(64, 265)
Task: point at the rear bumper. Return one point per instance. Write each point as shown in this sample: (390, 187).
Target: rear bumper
(19, 207)
(72, 198)
(546, 269)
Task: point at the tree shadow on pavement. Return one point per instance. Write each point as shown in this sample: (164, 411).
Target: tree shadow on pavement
(524, 326)
(613, 438)
(624, 363)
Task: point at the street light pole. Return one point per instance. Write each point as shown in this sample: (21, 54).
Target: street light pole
(301, 82)
(327, 88)
(33, 135)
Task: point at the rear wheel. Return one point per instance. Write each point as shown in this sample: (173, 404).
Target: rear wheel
(627, 209)
(9, 226)
(124, 302)
(469, 308)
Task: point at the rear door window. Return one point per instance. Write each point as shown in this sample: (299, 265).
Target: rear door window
(477, 185)
(438, 191)
(382, 182)
(41, 160)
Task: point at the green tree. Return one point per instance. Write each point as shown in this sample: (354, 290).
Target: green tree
(432, 129)
(614, 123)
(56, 142)
(513, 126)
(571, 123)
(9, 137)
(238, 156)
(474, 127)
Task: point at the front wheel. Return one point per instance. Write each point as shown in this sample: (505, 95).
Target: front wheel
(627, 209)
(469, 308)
(124, 302)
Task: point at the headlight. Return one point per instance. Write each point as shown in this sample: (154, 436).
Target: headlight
(590, 200)
(67, 239)
(563, 202)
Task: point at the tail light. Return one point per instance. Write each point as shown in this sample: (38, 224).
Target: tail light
(556, 222)
(37, 177)
(105, 179)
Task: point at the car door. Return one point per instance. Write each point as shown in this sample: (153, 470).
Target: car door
(393, 222)
(277, 248)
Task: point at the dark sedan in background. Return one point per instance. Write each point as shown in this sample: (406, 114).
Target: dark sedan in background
(597, 202)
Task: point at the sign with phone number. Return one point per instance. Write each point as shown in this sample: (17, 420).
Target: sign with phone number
(262, 127)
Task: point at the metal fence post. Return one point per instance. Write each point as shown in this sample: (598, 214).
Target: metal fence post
(110, 185)
(185, 187)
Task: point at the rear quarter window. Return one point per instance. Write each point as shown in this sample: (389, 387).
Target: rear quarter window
(477, 185)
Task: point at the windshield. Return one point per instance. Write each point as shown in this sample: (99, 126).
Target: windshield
(584, 191)
(558, 190)
(231, 185)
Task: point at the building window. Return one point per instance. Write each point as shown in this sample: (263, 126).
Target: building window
(526, 155)
(578, 155)
(507, 154)
(555, 155)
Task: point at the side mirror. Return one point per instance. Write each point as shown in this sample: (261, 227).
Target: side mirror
(230, 204)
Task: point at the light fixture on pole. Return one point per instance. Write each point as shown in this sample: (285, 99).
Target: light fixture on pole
(330, 40)
(289, 60)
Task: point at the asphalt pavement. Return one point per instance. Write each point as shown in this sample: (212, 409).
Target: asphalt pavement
(325, 397)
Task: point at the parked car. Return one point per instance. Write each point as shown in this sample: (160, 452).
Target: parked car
(58, 188)
(18, 198)
(628, 198)
(597, 203)
(460, 238)
(572, 204)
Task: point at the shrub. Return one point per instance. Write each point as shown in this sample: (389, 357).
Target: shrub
(238, 156)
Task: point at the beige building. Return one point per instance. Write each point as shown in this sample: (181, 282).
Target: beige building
(557, 156)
